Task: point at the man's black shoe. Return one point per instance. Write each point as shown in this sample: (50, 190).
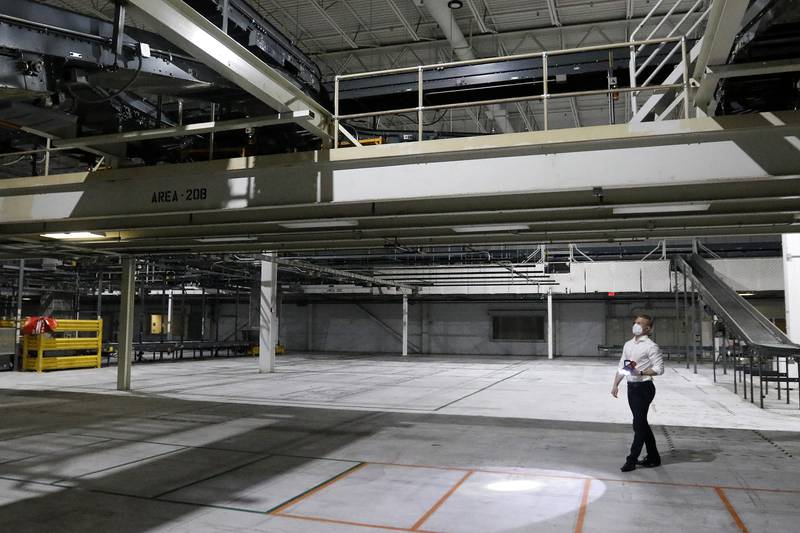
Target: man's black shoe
(628, 466)
(650, 463)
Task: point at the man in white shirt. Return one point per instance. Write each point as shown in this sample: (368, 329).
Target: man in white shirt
(641, 360)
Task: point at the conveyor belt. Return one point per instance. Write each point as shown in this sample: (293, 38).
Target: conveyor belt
(737, 313)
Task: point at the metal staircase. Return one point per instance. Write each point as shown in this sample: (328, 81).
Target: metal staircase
(644, 72)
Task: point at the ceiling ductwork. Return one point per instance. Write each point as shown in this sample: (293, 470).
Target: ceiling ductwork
(443, 15)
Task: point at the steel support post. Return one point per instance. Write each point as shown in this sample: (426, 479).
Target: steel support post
(714, 352)
(787, 381)
(169, 315)
(100, 295)
(550, 343)
(676, 324)
(697, 327)
(686, 330)
(267, 314)
(724, 351)
(750, 358)
(735, 369)
(203, 315)
(236, 315)
(686, 85)
(791, 284)
(47, 157)
(127, 297)
(545, 93)
(18, 323)
(420, 113)
(405, 324)
(760, 379)
(310, 327)
(336, 112)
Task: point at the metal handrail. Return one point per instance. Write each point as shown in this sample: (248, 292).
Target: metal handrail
(545, 95)
(670, 34)
(637, 48)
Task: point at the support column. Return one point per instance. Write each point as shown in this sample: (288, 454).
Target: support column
(405, 324)
(268, 308)
(310, 327)
(18, 323)
(169, 316)
(696, 327)
(550, 343)
(127, 297)
(791, 284)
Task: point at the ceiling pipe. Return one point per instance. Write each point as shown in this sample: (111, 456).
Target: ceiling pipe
(443, 16)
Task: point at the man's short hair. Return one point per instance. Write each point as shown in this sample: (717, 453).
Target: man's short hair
(646, 317)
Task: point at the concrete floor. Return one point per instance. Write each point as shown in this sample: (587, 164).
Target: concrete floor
(341, 444)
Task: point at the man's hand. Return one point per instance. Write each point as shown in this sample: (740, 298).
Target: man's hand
(615, 391)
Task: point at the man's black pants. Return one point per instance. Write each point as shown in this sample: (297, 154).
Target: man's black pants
(640, 395)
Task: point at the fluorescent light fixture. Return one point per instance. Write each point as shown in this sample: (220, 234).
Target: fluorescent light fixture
(490, 227)
(514, 77)
(747, 294)
(226, 239)
(74, 235)
(312, 224)
(661, 208)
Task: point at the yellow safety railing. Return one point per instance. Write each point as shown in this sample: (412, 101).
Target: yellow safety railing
(39, 344)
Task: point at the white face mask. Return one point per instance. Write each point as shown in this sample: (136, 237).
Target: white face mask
(637, 329)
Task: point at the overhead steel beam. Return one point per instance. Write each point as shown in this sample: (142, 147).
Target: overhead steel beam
(334, 272)
(403, 20)
(724, 22)
(357, 17)
(705, 92)
(562, 32)
(195, 34)
(294, 117)
(335, 25)
(553, 10)
(478, 17)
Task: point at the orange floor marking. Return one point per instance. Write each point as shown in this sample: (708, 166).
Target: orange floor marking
(729, 506)
(439, 503)
(578, 476)
(316, 489)
(587, 485)
(348, 523)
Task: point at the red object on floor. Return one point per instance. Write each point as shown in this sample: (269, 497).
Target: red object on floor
(36, 325)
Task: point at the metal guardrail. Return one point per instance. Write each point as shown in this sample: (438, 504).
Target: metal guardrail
(544, 96)
(637, 49)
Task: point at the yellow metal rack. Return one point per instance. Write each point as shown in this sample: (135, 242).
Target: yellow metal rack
(39, 344)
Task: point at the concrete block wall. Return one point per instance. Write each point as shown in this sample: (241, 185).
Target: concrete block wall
(437, 327)
(464, 328)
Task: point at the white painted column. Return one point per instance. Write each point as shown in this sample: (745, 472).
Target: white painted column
(791, 284)
(169, 316)
(267, 333)
(127, 297)
(405, 324)
(550, 343)
(18, 323)
(310, 327)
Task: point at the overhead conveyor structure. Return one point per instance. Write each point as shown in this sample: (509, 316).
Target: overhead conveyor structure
(651, 180)
(756, 345)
